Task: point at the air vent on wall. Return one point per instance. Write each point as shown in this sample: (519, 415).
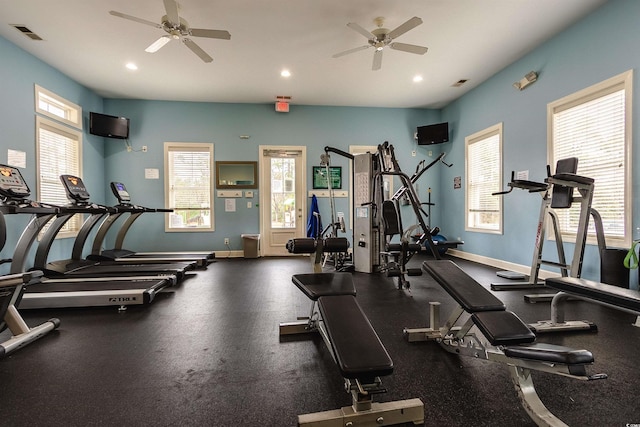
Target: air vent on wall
(459, 83)
(27, 32)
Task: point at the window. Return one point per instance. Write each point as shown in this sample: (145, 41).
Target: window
(51, 105)
(594, 125)
(484, 176)
(58, 152)
(189, 186)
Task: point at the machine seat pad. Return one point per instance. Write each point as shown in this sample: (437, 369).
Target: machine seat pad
(358, 351)
(549, 353)
(316, 285)
(628, 299)
(503, 327)
(471, 295)
(301, 245)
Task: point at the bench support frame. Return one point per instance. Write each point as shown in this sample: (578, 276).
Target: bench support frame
(466, 340)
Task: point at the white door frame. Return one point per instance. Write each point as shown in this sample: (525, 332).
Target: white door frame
(301, 195)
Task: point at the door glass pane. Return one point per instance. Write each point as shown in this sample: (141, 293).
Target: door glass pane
(283, 193)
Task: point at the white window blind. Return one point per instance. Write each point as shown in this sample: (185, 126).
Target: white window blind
(592, 126)
(189, 186)
(484, 176)
(58, 153)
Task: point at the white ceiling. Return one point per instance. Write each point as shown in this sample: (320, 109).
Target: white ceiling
(467, 39)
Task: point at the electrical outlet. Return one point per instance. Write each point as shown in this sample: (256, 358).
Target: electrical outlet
(144, 148)
(413, 153)
(128, 148)
(226, 240)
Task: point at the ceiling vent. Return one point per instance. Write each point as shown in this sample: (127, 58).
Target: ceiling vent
(27, 32)
(459, 82)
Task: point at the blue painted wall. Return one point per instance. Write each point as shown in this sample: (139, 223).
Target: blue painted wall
(153, 123)
(19, 72)
(601, 46)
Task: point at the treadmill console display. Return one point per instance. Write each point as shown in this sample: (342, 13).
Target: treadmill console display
(75, 188)
(120, 191)
(12, 183)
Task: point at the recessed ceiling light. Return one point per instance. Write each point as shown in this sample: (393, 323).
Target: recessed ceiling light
(417, 78)
(285, 73)
(131, 66)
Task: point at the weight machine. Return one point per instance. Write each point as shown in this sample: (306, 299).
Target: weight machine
(377, 216)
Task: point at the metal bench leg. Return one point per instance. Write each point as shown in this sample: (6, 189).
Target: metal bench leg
(530, 400)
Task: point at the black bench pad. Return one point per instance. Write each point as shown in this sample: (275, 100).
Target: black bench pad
(620, 297)
(550, 353)
(358, 350)
(503, 327)
(316, 285)
(471, 295)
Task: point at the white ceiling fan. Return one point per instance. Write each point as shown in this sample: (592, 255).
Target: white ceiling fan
(382, 37)
(177, 29)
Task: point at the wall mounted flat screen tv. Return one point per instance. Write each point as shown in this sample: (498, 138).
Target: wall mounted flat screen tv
(108, 126)
(320, 177)
(433, 134)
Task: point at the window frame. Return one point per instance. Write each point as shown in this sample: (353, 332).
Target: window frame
(72, 112)
(479, 137)
(623, 81)
(195, 147)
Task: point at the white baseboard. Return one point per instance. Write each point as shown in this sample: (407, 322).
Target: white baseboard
(498, 263)
(229, 254)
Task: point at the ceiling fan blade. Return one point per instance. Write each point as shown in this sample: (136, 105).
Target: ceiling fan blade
(156, 45)
(197, 50)
(346, 52)
(133, 18)
(172, 11)
(361, 30)
(377, 60)
(410, 24)
(411, 48)
(212, 34)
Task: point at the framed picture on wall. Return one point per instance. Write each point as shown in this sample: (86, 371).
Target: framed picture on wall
(320, 177)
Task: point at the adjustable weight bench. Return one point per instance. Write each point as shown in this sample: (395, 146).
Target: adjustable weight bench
(622, 299)
(482, 328)
(357, 350)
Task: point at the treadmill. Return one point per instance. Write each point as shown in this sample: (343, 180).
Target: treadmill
(118, 253)
(12, 286)
(46, 292)
(78, 267)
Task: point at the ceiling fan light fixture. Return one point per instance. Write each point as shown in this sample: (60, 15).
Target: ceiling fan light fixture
(155, 46)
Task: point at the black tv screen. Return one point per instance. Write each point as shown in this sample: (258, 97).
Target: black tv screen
(433, 134)
(108, 126)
